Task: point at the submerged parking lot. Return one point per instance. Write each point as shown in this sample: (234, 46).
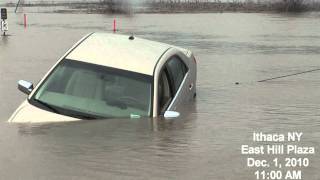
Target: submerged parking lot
(202, 144)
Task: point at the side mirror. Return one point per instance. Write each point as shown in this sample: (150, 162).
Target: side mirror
(171, 114)
(25, 86)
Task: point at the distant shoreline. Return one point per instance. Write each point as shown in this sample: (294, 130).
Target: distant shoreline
(164, 7)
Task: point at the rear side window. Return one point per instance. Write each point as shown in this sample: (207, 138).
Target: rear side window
(177, 70)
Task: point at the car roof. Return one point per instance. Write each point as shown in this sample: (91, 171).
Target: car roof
(118, 51)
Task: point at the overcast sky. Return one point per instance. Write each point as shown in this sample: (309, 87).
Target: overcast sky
(6, 1)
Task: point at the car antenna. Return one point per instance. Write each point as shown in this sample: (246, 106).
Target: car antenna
(131, 37)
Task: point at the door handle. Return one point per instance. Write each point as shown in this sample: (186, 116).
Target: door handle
(190, 86)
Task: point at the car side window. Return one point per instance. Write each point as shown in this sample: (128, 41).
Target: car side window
(164, 92)
(177, 70)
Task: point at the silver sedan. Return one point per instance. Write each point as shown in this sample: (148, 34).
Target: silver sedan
(111, 76)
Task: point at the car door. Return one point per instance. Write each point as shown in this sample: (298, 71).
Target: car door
(178, 71)
(172, 82)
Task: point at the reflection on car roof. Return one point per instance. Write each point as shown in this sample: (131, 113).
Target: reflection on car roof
(117, 51)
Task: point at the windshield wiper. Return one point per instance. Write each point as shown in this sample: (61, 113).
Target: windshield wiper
(118, 104)
(82, 116)
(48, 106)
(75, 114)
(79, 113)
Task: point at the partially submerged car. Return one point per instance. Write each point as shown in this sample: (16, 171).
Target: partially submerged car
(111, 76)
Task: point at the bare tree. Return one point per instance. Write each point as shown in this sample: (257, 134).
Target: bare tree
(293, 5)
(115, 6)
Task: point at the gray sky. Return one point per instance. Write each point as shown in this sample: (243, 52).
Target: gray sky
(6, 1)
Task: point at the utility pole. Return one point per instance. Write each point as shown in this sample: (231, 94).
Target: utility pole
(15, 11)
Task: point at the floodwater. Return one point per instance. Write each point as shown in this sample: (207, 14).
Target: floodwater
(204, 143)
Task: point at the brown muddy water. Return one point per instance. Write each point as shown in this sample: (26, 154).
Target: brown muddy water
(204, 143)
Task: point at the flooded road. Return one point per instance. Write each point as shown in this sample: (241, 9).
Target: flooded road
(202, 144)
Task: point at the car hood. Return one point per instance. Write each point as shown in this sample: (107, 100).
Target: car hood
(27, 113)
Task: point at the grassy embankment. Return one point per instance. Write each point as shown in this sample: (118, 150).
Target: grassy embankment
(173, 6)
(180, 6)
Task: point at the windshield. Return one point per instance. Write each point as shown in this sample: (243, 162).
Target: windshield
(91, 91)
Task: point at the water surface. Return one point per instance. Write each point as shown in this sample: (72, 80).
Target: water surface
(202, 144)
